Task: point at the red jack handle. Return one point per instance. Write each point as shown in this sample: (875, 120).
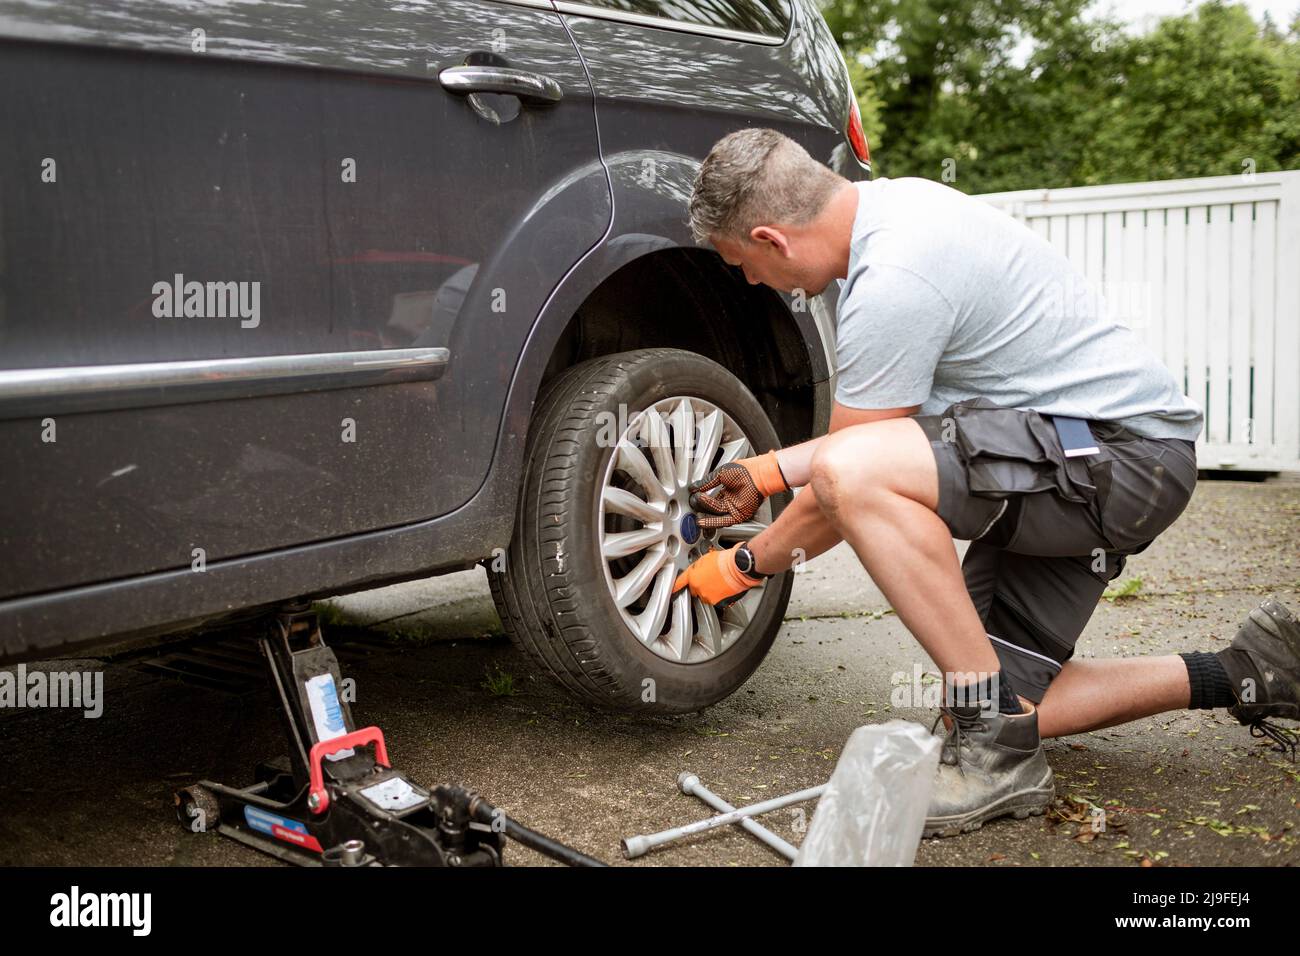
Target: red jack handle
(318, 798)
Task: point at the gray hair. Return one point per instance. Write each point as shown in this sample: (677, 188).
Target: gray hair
(756, 177)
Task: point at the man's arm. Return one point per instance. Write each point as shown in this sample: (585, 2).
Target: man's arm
(802, 525)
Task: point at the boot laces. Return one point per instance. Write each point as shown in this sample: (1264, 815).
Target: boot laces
(1284, 739)
(957, 734)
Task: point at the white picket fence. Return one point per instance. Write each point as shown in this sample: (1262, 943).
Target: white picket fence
(1208, 272)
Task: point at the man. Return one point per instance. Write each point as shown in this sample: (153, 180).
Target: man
(980, 395)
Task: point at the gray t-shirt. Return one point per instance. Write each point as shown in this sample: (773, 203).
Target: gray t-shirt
(949, 299)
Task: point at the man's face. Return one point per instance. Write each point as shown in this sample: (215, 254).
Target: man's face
(770, 258)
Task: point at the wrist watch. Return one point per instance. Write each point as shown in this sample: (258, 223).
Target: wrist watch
(745, 562)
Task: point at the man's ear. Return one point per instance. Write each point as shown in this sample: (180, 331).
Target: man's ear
(771, 237)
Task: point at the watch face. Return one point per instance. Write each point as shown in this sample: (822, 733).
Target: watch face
(745, 559)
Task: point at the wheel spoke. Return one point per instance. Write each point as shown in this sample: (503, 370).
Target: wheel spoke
(683, 441)
(650, 622)
(633, 584)
(619, 544)
(736, 616)
(709, 627)
(738, 448)
(710, 438)
(633, 462)
(619, 501)
(655, 434)
(679, 636)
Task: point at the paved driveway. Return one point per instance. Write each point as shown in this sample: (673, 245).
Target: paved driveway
(1184, 788)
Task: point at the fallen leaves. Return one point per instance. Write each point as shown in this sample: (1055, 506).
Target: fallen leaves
(1083, 819)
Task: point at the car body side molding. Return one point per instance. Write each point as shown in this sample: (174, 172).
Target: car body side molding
(46, 391)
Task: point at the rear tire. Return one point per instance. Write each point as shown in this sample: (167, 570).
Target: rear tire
(556, 590)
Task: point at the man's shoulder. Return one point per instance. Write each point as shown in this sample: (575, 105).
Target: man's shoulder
(911, 186)
(891, 286)
(913, 204)
(918, 223)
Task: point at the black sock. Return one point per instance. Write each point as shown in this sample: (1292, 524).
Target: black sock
(1008, 699)
(978, 695)
(1210, 684)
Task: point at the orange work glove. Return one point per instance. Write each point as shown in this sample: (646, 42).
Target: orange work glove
(744, 483)
(715, 579)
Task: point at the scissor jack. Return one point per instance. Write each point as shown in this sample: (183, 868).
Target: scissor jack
(340, 802)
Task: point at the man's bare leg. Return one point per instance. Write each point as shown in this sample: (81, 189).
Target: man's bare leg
(1089, 695)
(878, 485)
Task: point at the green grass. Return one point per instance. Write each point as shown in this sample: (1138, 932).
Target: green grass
(414, 636)
(1125, 591)
(329, 614)
(499, 684)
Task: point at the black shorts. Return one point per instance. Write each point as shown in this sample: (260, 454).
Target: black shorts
(1048, 532)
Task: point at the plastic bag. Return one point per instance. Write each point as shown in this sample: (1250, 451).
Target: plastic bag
(875, 802)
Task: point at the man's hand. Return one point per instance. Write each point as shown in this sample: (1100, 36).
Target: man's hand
(744, 483)
(715, 579)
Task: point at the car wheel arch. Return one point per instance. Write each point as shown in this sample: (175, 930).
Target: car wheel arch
(796, 399)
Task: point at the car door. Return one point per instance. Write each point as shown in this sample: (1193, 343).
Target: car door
(266, 268)
(673, 76)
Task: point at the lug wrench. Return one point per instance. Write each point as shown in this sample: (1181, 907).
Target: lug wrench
(637, 845)
(690, 785)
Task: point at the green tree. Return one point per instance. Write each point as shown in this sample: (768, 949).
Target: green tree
(926, 58)
(1029, 93)
(1202, 94)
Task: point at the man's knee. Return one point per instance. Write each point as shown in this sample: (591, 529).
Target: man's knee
(863, 466)
(849, 468)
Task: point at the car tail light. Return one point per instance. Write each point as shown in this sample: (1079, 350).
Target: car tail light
(857, 138)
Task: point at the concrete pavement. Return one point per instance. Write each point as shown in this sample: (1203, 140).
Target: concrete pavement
(1179, 789)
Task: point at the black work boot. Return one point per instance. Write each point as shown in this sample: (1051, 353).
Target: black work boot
(1263, 666)
(991, 766)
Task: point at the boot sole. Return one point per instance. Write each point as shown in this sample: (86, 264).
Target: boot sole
(1014, 805)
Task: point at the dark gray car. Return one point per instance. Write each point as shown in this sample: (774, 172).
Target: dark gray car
(300, 299)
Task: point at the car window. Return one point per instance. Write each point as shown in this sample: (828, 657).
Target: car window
(766, 17)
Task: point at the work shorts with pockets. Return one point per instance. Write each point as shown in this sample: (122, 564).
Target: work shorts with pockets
(1047, 532)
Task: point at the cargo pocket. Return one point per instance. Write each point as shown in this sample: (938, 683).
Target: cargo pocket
(1141, 494)
(1011, 451)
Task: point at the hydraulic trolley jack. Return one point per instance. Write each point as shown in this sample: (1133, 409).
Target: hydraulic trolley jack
(341, 803)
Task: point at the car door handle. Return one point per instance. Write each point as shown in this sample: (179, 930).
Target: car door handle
(529, 87)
